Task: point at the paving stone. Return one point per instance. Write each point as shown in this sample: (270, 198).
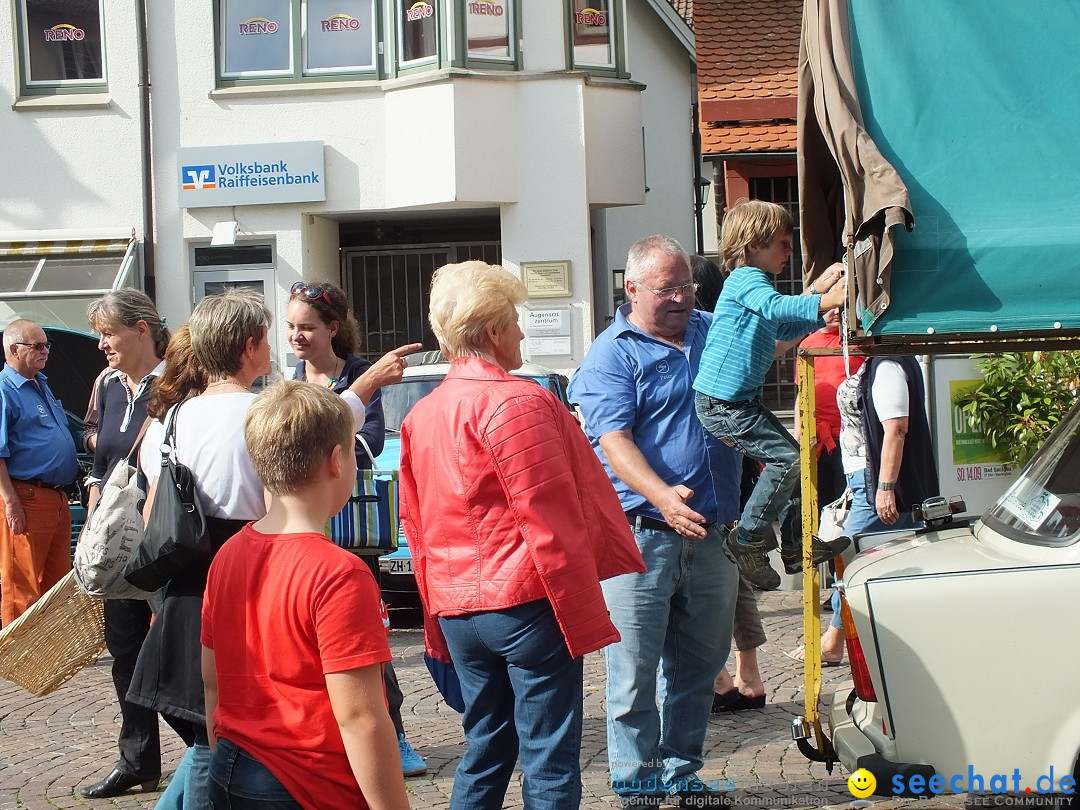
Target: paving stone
(52, 746)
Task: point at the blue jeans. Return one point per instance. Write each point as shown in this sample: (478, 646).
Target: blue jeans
(172, 798)
(675, 618)
(863, 519)
(754, 431)
(238, 781)
(523, 693)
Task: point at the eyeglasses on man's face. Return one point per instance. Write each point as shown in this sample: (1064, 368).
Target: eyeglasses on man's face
(669, 293)
(313, 292)
(37, 347)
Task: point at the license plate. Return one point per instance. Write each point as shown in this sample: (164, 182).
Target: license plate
(396, 566)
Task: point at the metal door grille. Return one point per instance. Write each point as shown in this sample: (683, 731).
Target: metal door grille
(389, 290)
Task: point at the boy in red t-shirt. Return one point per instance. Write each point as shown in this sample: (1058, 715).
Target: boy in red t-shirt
(292, 628)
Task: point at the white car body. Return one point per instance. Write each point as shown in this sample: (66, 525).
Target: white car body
(969, 636)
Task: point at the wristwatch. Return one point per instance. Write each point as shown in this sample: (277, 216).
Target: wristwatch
(886, 486)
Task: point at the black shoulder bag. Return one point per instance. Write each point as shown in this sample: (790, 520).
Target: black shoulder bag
(176, 535)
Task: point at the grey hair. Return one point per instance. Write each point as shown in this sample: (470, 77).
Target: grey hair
(639, 259)
(16, 331)
(220, 326)
(126, 308)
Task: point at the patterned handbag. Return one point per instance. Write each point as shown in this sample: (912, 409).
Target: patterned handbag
(370, 519)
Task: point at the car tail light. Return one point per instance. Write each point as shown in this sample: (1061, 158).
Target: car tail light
(860, 673)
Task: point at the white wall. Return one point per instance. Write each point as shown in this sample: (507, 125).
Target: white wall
(656, 59)
(64, 166)
(545, 148)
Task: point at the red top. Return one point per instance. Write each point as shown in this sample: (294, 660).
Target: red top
(281, 612)
(504, 502)
(828, 374)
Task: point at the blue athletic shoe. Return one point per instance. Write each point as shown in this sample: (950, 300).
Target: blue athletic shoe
(412, 764)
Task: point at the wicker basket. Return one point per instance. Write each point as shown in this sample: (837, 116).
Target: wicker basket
(57, 636)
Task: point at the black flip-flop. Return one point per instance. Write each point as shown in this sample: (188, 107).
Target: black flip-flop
(735, 701)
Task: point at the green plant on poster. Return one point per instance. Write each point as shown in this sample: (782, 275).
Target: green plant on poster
(1022, 397)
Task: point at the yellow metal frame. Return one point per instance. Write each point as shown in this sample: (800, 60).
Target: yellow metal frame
(806, 405)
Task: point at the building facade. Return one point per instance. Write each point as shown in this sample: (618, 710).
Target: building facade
(363, 142)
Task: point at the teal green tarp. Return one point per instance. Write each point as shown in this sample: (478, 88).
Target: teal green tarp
(975, 106)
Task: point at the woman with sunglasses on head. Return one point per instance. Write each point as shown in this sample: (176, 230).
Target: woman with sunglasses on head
(325, 336)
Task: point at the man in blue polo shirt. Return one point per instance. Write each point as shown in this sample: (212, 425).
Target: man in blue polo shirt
(37, 459)
(679, 488)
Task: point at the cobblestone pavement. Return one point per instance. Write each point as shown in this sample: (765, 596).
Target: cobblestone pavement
(51, 746)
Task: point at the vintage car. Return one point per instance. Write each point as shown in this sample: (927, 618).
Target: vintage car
(425, 371)
(964, 665)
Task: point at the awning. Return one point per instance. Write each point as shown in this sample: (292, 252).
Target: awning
(66, 248)
(66, 268)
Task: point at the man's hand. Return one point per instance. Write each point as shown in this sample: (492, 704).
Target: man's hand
(386, 370)
(679, 516)
(16, 516)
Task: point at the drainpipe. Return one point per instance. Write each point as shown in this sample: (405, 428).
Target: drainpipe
(147, 165)
(699, 181)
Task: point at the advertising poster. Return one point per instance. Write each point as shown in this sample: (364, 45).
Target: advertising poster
(967, 465)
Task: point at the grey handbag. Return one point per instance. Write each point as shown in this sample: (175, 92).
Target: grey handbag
(113, 530)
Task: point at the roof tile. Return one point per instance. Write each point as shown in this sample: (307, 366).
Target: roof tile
(747, 49)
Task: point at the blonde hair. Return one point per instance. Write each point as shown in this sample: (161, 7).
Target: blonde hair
(126, 308)
(465, 299)
(291, 428)
(751, 222)
(221, 325)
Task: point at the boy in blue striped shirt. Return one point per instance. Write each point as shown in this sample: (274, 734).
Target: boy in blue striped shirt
(749, 318)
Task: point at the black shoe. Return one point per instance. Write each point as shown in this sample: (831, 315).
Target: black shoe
(692, 792)
(119, 782)
(823, 552)
(735, 701)
(753, 562)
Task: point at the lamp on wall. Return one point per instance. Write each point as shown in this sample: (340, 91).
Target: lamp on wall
(702, 185)
(225, 233)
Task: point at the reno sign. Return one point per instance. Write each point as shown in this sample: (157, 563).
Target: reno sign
(257, 26)
(64, 33)
(419, 11)
(341, 22)
(487, 7)
(590, 16)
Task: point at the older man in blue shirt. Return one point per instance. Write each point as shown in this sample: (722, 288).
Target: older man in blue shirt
(679, 489)
(37, 460)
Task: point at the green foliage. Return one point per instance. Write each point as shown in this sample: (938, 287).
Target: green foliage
(1023, 396)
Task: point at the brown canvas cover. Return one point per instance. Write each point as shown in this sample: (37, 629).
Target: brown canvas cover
(849, 194)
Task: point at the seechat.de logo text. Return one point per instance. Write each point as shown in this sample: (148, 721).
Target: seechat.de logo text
(194, 177)
(419, 10)
(341, 22)
(258, 25)
(64, 33)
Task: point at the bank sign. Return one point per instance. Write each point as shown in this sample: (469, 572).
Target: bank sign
(251, 174)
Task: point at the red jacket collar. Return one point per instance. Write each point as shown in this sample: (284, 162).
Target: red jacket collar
(476, 368)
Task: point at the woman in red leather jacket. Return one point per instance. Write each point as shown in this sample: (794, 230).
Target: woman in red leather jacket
(512, 524)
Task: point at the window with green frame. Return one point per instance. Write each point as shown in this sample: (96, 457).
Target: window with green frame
(491, 32)
(294, 40)
(594, 36)
(61, 46)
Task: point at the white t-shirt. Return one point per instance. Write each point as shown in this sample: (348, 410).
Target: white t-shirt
(890, 394)
(210, 442)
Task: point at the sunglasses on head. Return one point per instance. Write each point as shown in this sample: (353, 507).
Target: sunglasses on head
(313, 292)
